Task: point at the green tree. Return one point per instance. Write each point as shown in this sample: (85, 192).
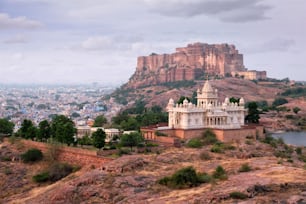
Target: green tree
(27, 129)
(62, 129)
(253, 113)
(131, 140)
(296, 110)
(119, 118)
(129, 124)
(98, 138)
(75, 115)
(6, 127)
(100, 121)
(85, 140)
(44, 130)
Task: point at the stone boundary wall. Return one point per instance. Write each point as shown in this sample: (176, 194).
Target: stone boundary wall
(71, 155)
(227, 135)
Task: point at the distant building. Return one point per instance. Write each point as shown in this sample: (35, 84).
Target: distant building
(111, 133)
(251, 74)
(87, 130)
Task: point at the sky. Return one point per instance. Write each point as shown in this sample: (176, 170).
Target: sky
(78, 41)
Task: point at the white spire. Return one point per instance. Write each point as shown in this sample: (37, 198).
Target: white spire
(207, 88)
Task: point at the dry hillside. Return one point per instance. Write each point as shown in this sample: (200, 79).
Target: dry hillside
(133, 178)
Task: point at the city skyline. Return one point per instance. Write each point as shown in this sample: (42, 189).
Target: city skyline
(77, 42)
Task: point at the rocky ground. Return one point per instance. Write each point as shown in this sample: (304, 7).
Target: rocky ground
(133, 178)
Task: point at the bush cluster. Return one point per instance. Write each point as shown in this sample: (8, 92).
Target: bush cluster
(272, 141)
(238, 195)
(245, 168)
(184, 178)
(220, 147)
(32, 155)
(54, 173)
(187, 177)
(220, 173)
(208, 138)
(195, 143)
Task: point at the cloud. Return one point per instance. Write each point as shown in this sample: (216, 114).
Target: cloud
(273, 45)
(224, 10)
(97, 43)
(17, 39)
(281, 45)
(21, 22)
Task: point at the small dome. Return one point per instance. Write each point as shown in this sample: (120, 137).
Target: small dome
(185, 102)
(241, 102)
(171, 101)
(226, 100)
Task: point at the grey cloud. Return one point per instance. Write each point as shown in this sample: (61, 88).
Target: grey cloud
(281, 45)
(17, 39)
(21, 22)
(225, 10)
(274, 45)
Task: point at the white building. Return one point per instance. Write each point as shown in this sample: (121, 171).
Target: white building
(207, 113)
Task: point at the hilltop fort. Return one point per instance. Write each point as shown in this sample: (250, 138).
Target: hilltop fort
(191, 63)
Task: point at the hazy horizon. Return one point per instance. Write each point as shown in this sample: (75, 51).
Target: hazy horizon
(79, 42)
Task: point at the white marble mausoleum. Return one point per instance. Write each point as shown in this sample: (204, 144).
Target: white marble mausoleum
(207, 113)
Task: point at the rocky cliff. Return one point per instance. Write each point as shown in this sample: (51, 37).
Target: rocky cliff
(187, 63)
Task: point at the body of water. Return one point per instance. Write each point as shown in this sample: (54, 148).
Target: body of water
(293, 138)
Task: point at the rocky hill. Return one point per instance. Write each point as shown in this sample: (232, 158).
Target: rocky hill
(276, 175)
(227, 87)
(187, 63)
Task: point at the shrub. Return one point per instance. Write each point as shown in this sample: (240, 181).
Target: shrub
(248, 142)
(158, 133)
(123, 151)
(219, 173)
(59, 170)
(245, 168)
(205, 178)
(290, 160)
(205, 156)
(32, 155)
(183, 178)
(151, 145)
(41, 177)
(238, 195)
(279, 101)
(209, 137)
(217, 147)
(195, 143)
(298, 150)
(302, 157)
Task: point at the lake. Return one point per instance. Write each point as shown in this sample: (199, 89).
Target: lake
(294, 138)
